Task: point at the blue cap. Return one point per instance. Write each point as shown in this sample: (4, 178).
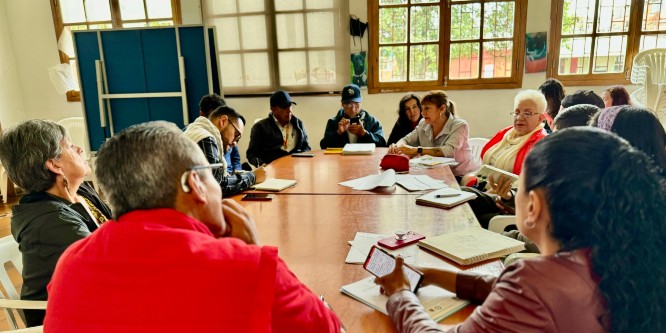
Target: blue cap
(281, 99)
(351, 93)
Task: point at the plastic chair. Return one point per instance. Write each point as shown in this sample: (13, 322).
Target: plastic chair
(76, 132)
(500, 222)
(4, 184)
(10, 301)
(476, 145)
(649, 71)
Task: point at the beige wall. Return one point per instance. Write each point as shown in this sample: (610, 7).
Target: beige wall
(32, 43)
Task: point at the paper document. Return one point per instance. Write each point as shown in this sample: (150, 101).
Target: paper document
(275, 185)
(437, 302)
(432, 161)
(358, 149)
(384, 179)
(419, 182)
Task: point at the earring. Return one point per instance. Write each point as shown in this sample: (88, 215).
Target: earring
(530, 224)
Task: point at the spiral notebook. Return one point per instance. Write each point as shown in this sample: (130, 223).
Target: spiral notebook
(472, 245)
(445, 198)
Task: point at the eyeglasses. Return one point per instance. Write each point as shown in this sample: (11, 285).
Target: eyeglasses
(186, 174)
(523, 114)
(351, 104)
(237, 134)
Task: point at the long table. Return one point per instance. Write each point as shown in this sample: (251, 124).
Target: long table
(311, 224)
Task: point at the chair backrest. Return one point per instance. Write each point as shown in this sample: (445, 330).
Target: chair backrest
(649, 67)
(9, 252)
(76, 131)
(500, 222)
(476, 145)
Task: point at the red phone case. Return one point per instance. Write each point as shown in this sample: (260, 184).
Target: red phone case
(393, 243)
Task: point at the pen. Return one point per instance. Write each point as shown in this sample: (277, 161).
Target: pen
(450, 195)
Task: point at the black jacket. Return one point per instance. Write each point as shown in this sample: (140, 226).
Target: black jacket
(266, 141)
(231, 183)
(44, 225)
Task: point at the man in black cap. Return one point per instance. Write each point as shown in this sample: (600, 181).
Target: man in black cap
(352, 124)
(280, 134)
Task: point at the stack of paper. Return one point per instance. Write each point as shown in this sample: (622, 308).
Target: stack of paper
(358, 149)
(432, 161)
(274, 185)
(472, 245)
(389, 178)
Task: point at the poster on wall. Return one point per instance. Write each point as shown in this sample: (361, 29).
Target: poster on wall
(535, 52)
(359, 69)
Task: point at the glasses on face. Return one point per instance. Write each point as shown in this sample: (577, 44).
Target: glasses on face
(521, 114)
(237, 133)
(350, 104)
(186, 174)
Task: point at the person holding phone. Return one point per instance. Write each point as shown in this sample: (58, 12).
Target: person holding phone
(352, 124)
(598, 219)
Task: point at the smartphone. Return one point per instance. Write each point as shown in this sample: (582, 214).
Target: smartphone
(303, 154)
(393, 242)
(380, 263)
(258, 197)
(355, 120)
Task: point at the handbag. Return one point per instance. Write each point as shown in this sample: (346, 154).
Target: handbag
(397, 162)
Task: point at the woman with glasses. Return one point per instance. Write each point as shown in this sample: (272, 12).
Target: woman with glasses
(59, 208)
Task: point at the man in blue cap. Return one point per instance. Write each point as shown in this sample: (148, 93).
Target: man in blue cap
(280, 134)
(352, 124)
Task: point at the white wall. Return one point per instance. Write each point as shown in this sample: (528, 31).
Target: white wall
(12, 110)
(34, 49)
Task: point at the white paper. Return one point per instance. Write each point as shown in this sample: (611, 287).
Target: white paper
(363, 241)
(62, 78)
(384, 179)
(432, 161)
(65, 43)
(419, 182)
(358, 149)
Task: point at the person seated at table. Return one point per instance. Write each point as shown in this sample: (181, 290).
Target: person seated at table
(598, 219)
(172, 229)
(208, 104)
(582, 97)
(59, 207)
(221, 130)
(440, 133)
(409, 115)
(280, 134)
(615, 95)
(352, 124)
(577, 115)
(553, 90)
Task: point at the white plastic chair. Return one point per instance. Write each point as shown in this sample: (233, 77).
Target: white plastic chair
(649, 71)
(500, 222)
(10, 301)
(476, 145)
(4, 183)
(76, 132)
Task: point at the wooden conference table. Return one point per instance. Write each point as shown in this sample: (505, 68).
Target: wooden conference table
(312, 222)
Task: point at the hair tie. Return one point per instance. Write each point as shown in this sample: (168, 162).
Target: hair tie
(607, 117)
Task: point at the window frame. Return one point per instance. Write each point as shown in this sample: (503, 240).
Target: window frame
(442, 82)
(591, 79)
(116, 23)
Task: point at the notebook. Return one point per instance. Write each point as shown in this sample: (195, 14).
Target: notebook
(449, 197)
(274, 185)
(438, 303)
(472, 245)
(358, 149)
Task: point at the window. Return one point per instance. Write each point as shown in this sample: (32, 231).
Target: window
(295, 45)
(454, 44)
(107, 14)
(594, 41)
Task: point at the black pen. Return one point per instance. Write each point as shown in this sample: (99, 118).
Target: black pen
(450, 195)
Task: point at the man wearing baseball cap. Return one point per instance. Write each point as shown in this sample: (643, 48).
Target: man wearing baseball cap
(352, 124)
(280, 134)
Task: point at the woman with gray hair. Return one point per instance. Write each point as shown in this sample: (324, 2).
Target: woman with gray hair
(59, 207)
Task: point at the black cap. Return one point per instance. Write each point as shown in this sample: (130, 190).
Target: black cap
(351, 93)
(583, 97)
(281, 99)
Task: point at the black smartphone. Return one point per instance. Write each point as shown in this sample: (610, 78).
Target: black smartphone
(303, 154)
(380, 263)
(355, 120)
(258, 197)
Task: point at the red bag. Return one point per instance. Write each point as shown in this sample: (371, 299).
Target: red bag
(397, 162)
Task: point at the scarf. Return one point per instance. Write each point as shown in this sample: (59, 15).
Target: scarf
(503, 154)
(202, 128)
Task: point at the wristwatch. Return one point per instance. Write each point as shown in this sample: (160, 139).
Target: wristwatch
(419, 150)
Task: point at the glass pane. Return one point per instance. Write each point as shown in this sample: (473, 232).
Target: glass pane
(248, 6)
(498, 19)
(98, 10)
(159, 9)
(100, 26)
(613, 15)
(132, 10)
(392, 2)
(609, 54)
(321, 29)
(288, 4)
(289, 29)
(75, 71)
(292, 68)
(253, 32)
(497, 59)
(578, 17)
(72, 11)
(257, 73)
(135, 25)
(319, 4)
(466, 21)
(423, 62)
(160, 23)
(231, 66)
(392, 25)
(227, 31)
(425, 1)
(424, 24)
(654, 15)
(653, 42)
(220, 7)
(393, 64)
(464, 62)
(322, 67)
(575, 55)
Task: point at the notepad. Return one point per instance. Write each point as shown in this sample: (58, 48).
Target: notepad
(358, 149)
(274, 185)
(448, 197)
(472, 245)
(330, 151)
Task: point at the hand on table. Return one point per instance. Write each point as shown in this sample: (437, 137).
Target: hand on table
(239, 222)
(402, 149)
(259, 175)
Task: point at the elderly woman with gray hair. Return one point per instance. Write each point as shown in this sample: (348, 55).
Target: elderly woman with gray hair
(59, 207)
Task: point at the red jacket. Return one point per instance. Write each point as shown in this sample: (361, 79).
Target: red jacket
(518, 165)
(162, 271)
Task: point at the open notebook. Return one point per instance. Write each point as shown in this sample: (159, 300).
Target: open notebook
(275, 185)
(472, 245)
(445, 198)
